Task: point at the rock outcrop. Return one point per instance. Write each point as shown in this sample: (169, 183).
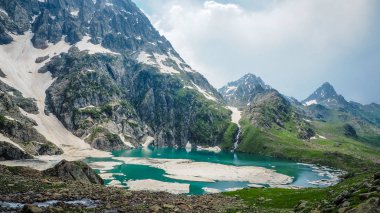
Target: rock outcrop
(75, 171)
(10, 152)
(19, 128)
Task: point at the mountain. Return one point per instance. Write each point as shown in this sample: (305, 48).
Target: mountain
(326, 105)
(324, 129)
(327, 96)
(264, 107)
(100, 76)
(271, 110)
(241, 92)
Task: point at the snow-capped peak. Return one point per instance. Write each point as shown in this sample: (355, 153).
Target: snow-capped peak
(325, 95)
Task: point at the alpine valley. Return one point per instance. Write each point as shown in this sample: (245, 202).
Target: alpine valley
(99, 113)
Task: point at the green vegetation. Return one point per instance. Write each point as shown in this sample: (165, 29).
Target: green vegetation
(272, 198)
(93, 112)
(209, 120)
(336, 150)
(285, 200)
(2, 119)
(95, 132)
(13, 175)
(229, 137)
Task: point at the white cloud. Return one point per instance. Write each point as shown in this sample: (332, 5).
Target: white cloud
(284, 39)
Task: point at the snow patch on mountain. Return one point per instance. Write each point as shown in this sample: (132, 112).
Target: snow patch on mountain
(162, 62)
(127, 143)
(204, 92)
(3, 11)
(231, 89)
(6, 139)
(86, 45)
(74, 13)
(311, 102)
(236, 115)
(165, 63)
(145, 58)
(17, 60)
(148, 141)
(159, 61)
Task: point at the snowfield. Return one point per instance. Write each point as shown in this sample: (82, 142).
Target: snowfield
(17, 60)
(236, 115)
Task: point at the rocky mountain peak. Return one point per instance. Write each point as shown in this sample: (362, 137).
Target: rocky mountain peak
(327, 90)
(325, 95)
(252, 80)
(240, 93)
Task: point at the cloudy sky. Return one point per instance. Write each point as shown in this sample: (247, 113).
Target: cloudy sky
(294, 45)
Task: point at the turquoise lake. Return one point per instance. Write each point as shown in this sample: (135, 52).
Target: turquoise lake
(303, 174)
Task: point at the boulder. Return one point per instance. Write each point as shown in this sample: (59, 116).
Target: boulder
(76, 171)
(41, 59)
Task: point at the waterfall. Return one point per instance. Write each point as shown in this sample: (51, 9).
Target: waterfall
(188, 147)
(236, 143)
(235, 118)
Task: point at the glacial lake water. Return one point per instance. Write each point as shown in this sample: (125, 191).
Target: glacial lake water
(304, 175)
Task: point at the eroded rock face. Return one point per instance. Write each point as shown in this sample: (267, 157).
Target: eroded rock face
(26, 136)
(113, 102)
(20, 129)
(76, 171)
(11, 152)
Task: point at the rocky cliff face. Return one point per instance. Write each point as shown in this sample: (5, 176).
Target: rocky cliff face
(111, 103)
(19, 129)
(121, 83)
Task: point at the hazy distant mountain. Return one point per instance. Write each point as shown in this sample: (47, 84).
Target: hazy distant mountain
(327, 96)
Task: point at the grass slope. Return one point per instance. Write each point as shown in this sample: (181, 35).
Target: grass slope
(285, 200)
(336, 150)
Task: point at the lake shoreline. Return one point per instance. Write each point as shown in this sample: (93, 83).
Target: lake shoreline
(179, 174)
